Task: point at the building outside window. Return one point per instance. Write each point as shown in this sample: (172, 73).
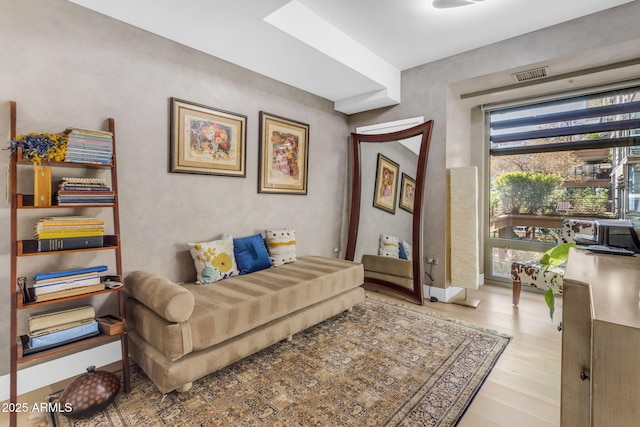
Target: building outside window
(573, 157)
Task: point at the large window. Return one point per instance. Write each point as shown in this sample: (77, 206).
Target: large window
(556, 159)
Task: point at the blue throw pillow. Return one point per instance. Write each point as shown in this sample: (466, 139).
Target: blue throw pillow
(402, 254)
(251, 254)
(406, 251)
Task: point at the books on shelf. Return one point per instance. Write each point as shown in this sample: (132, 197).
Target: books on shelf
(77, 232)
(68, 243)
(57, 339)
(65, 220)
(84, 191)
(68, 282)
(89, 146)
(58, 328)
(52, 338)
(70, 292)
(54, 328)
(65, 273)
(68, 227)
(58, 318)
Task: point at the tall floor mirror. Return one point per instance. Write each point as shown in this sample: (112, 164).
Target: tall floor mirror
(388, 174)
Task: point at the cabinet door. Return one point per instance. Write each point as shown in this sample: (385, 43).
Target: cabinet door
(616, 378)
(576, 355)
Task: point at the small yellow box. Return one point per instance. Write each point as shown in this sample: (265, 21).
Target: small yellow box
(110, 325)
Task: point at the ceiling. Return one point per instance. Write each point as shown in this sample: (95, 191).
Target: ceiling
(351, 52)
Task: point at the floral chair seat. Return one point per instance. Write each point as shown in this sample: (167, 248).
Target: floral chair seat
(528, 272)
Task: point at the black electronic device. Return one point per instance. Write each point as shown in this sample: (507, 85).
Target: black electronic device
(585, 239)
(609, 250)
(617, 233)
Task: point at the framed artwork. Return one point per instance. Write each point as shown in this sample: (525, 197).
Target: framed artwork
(284, 155)
(407, 192)
(205, 140)
(386, 187)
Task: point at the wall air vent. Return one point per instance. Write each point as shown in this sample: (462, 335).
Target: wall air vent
(536, 73)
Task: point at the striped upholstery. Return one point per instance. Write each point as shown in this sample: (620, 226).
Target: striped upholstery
(230, 307)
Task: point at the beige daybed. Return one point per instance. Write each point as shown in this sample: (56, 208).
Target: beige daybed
(180, 333)
(389, 269)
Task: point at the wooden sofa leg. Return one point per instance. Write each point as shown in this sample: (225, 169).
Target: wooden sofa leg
(517, 287)
(184, 387)
(289, 338)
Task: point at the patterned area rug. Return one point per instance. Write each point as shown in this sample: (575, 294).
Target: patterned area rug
(378, 365)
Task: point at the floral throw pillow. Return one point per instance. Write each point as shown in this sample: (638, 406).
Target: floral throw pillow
(214, 260)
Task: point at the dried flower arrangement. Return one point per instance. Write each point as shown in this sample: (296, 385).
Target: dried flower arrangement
(39, 147)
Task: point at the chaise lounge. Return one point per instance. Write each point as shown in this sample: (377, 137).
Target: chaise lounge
(180, 333)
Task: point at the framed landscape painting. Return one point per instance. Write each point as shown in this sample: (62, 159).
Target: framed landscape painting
(386, 187)
(284, 155)
(205, 140)
(407, 193)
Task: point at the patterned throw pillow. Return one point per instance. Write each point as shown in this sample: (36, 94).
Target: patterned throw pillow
(281, 245)
(214, 260)
(406, 250)
(389, 246)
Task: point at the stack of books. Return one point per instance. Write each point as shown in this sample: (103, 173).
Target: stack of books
(67, 283)
(56, 328)
(89, 146)
(84, 191)
(56, 233)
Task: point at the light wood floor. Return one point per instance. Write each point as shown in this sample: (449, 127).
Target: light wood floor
(524, 387)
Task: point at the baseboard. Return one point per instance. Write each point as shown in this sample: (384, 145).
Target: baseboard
(60, 369)
(443, 295)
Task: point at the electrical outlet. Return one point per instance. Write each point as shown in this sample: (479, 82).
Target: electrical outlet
(432, 260)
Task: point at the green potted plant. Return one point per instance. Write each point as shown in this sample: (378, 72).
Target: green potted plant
(554, 257)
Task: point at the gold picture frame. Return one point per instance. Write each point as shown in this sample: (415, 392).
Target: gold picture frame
(407, 193)
(284, 155)
(386, 188)
(205, 140)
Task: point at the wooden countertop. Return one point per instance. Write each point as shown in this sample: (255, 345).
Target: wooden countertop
(614, 281)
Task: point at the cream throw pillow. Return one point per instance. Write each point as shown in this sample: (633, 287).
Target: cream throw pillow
(389, 246)
(281, 245)
(214, 260)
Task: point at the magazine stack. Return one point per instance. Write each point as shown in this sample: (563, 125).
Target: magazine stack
(57, 233)
(89, 146)
(84, 192)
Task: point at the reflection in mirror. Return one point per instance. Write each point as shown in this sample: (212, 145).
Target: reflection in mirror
(385, 225)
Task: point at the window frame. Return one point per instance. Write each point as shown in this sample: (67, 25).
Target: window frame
(491, 243)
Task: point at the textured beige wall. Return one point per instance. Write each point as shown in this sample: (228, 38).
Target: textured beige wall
(67, 66)
(458, 136)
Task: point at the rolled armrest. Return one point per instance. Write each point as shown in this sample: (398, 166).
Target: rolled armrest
(166, 298)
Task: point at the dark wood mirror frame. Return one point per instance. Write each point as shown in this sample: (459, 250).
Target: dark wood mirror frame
(417, 294)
